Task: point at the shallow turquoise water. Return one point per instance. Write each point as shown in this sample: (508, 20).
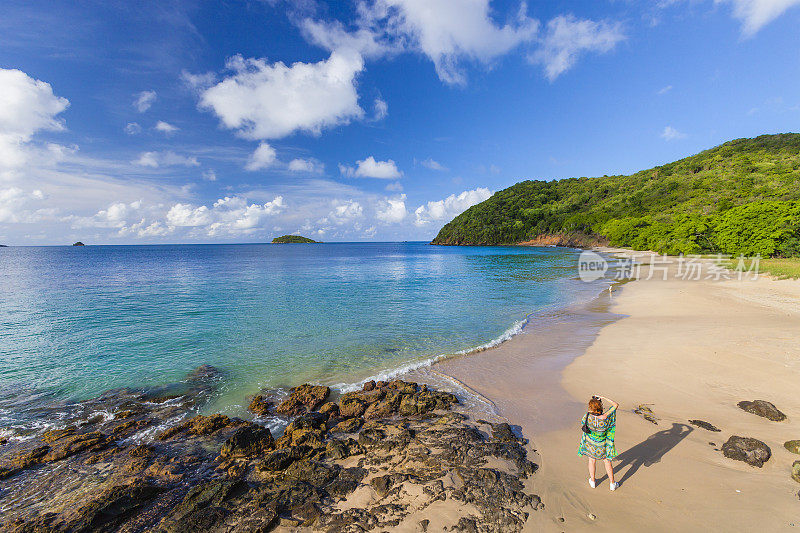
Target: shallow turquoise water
(77, 321)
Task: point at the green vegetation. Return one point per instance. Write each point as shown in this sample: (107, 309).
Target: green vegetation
(292, 239)
(778, 267)
(742, 197)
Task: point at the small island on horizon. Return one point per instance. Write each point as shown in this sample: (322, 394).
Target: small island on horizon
(79, 243)
(293, 239)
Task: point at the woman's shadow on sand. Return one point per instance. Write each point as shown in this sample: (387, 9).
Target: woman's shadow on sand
(650, 451)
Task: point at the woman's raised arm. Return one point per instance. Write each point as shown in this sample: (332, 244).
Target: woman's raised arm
(614, 405)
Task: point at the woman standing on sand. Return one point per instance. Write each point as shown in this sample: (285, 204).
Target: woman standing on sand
(597, 441)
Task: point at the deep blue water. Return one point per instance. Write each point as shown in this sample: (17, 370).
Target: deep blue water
(76, 321)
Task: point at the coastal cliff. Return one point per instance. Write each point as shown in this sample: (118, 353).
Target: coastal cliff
(572, 240)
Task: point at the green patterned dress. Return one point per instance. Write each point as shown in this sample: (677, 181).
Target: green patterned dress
(599, 444)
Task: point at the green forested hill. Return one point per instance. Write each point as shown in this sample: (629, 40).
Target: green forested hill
(740, 197)
(293, 239)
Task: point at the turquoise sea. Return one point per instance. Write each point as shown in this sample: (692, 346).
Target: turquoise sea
(77, 321)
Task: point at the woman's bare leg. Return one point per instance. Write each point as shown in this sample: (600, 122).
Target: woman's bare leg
(609, 470)
(592, 464)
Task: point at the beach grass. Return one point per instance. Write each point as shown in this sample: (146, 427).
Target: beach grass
(782, 267)
(778, 267)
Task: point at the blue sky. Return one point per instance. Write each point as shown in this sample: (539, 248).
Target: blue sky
(151, 122)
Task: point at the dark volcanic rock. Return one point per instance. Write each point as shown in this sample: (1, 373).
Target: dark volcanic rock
(350, 425)
(751, 451)
(23, 460)
(302, 399)
(792, 445)
(762, 408)
(329, 409)
(705, 425)
(248, 441)
(503, 432)
(202, 425)
(796, 471)
(277, 460)
(352, 407)
(201, 508)
(203, 373)
(260, 405)
(55, 434)
(111, 509)
(215, 473)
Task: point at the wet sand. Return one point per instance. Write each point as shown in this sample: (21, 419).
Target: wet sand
(690, 348)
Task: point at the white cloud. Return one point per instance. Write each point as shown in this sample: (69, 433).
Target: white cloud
(395, 186)
(671, 134)
(345, 212)
(270, 101)
(72, 192)
(117, 213)
(664, 90)
(450, 207)
(235, 215)
(27, 106)
(308, 166)
(148, 159)
(450, 33)
(332, 36)
(133, 128)
(392, 210)
(230, 215)
(144, 100)
(454, 34)
(433, 165)
(165, 159)
(567, 37)
(184, 215)
(263, 157)
(755, 14)
(165, 127)
(381, 110)
(198, 81)
(370, 168)
(209, 175)
(155, 229)
(14, 204)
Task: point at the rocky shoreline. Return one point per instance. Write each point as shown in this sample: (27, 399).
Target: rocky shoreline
(395, 454)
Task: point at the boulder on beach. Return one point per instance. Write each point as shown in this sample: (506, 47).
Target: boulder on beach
(796, 471)
(762, 408)
(705, 425)
(752, 451)
(792, 445)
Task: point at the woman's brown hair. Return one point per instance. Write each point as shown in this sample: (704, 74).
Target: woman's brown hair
(596, 406)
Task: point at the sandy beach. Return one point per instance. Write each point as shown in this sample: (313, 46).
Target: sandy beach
(689, 349)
